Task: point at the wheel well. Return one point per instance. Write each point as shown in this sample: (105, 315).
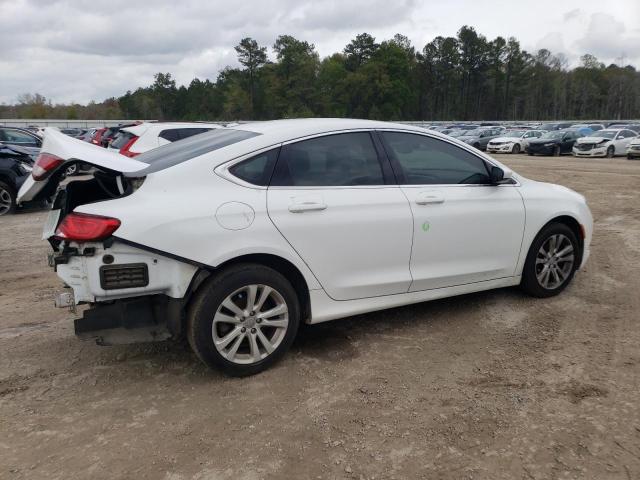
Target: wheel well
(7, 180)
(279, 264)
(575, 227)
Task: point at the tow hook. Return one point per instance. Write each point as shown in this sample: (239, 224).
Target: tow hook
(65, 300)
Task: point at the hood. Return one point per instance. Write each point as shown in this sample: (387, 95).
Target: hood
(592, 140)
(71, 149)
(542, 141)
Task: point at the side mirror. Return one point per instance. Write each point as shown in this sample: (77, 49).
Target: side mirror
(499, 176)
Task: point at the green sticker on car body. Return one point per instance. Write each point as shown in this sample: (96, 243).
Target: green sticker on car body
(426, 226)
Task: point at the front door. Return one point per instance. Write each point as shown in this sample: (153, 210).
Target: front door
(465, 230)
(333, 199)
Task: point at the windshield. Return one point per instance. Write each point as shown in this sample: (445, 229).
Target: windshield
(514, 134)
(553, 135)
(603, 134)
(457, 133)
(470, 133)
(183, 150)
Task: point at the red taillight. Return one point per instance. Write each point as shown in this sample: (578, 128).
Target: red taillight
(45, 164)
(82, 227)
(125, 149)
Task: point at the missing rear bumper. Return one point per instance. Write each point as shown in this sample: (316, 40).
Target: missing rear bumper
(135, 320)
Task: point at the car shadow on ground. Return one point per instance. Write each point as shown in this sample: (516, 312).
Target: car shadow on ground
(334, 341)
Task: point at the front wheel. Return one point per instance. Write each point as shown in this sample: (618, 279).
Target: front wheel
(556, 151)
(551, 262)
(244, 319)
(611, 151)
(516, 148)
(7, 199)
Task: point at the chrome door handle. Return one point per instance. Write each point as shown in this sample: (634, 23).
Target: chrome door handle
(307, 207)
(429, 199)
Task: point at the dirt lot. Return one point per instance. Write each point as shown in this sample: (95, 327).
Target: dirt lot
(492, 385)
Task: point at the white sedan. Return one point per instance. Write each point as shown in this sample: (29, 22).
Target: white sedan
(514, 141)
(232, 238)
(604, 143)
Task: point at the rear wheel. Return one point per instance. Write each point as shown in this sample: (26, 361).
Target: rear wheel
(244, 319)
(7, 199)
(611, 151)
(551, 262)
(516, 148)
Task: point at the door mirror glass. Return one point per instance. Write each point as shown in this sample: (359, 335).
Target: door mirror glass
(496, 175)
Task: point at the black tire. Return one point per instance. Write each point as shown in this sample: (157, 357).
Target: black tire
(209, 299)
(611, 151)
(556, 151)
(7, 199)
(530, 283)
(516, 149)
(530, 153)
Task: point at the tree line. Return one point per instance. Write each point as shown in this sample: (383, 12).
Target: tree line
(466, 77)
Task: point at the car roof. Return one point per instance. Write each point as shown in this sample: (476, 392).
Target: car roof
(284, 130)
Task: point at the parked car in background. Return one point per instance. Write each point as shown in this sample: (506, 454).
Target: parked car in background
(21, 137)
(594, 127)
(88, 135)
(132, 141)
(552, 126)
(633, 150)
(629, 126)
(96, 138)
(73, 132)
(554, 143)
(604, 143)
(480, 137)
(15, 166)
(107, 136)
(235, 237)
(514, 141)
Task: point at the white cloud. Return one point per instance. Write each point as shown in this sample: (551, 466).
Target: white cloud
(79, 50)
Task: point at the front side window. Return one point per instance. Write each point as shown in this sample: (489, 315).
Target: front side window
(345, 159)
(429, 161)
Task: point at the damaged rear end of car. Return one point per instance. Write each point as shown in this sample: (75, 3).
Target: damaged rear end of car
(134, 294)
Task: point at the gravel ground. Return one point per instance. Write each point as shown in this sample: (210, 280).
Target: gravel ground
(493, 385)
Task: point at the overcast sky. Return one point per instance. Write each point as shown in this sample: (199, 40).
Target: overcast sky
(81, 50)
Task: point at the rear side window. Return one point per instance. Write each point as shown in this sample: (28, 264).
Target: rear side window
(122, 139)
(345, 159)
(179, 152)
(256, 170)
(428, 161)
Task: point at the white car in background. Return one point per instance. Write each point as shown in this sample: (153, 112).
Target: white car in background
(234, 237)
(604, 143)
(513, 141)
(132, 141)
(633, 150)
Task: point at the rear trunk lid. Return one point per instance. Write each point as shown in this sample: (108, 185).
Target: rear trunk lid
(73, 150)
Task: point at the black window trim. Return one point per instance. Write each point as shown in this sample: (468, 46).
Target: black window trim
(399, 172)
(223, 170)
(388, 175)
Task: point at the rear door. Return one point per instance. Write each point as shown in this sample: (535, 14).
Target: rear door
(465, 230)
(334, 199)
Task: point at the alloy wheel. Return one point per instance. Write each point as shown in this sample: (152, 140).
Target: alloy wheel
(554, 261)
(6, 202)
(250, 324)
